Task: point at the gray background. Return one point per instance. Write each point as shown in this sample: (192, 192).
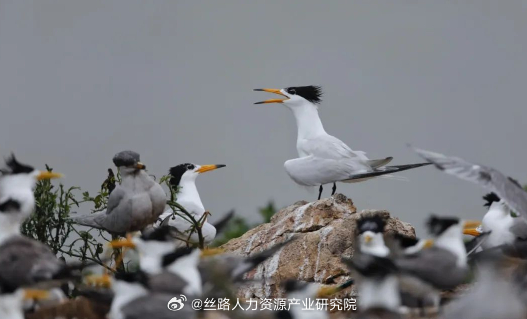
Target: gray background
(173, 80)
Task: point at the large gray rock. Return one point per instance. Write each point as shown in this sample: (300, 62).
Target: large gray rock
(324, 232)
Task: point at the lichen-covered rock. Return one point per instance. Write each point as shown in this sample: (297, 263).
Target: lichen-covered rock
(324, 232)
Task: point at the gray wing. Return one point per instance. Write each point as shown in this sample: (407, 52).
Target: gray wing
(115, 199)
(167, 282)
(155, 306)
(519, 228)
(487, 177)
(24, 261)
(435, 266)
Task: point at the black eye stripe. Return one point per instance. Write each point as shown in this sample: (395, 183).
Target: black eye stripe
(9, 206)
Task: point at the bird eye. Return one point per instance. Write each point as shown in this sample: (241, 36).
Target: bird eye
(190, 166)
(291, 91)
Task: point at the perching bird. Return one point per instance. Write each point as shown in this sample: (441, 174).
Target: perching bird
(134, 204)
(442, 266)
(323, 158)
(507, 233)
(183, 178)
(23, 261)
(170, 269)
(370, 232)
(505, 187)
(17, 183)
(378, 287)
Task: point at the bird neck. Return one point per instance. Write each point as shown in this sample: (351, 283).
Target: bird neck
(186, 268)
(379, 293)
(188, 196)
(452, 240)
(308, 121)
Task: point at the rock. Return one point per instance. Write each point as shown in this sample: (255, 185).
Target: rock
(324, 232)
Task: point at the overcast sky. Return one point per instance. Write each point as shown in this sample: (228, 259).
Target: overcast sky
(173, 80)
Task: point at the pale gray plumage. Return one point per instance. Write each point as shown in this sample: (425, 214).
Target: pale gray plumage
(487, 177)
(134, 204)
(435, 266)
(24, 261)
(154, 306)
(491, 297)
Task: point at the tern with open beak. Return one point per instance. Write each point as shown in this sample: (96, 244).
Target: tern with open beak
(324, 159)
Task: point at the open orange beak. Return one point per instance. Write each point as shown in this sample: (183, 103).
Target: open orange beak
(275, 91)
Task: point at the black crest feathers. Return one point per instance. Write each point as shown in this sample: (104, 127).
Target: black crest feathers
(312, 93)
(490, 198)
(371, 223)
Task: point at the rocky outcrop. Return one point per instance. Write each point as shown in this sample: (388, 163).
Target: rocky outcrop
(324, 232)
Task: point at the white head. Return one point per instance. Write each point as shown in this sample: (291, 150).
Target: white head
(296, 97)
(371, 236)
(17, 182)
(448, 234)
(188, 172)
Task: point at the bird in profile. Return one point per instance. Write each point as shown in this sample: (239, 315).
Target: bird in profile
(23, 260)
(183, 178)
(324, 159)
(440, 267)
(134, 204)
(507, 233)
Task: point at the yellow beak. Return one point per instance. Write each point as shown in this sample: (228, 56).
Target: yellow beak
(206, 168)
(99, 280)
(35, 294)
(208, 252)
(325, 292)
(275, 91)
(471, 224)
(128, 243)
(428, 243)
(140, 165)
(48, 175)
(367, 239)
(471, 231)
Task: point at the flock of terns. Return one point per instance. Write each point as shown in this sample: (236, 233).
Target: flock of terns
(393, 274)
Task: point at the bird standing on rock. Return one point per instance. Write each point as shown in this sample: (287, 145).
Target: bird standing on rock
(134, 204)
(324, 159)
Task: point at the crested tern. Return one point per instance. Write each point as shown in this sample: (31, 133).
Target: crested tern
(378, 286)
(134, 204)
(183, 178)
(23, 261)
(371, 236)
(324, 159)
(442, 266)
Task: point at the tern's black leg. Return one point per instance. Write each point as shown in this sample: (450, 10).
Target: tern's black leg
(319, 192)
(334, 189)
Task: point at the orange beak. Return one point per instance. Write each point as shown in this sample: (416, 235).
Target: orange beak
(275, 91)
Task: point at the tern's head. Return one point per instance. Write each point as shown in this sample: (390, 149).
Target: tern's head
(188, 172)
(16, 174)
(370, 232)
(128, 162)
(295, 97)
(449, 226)
(183, 257)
